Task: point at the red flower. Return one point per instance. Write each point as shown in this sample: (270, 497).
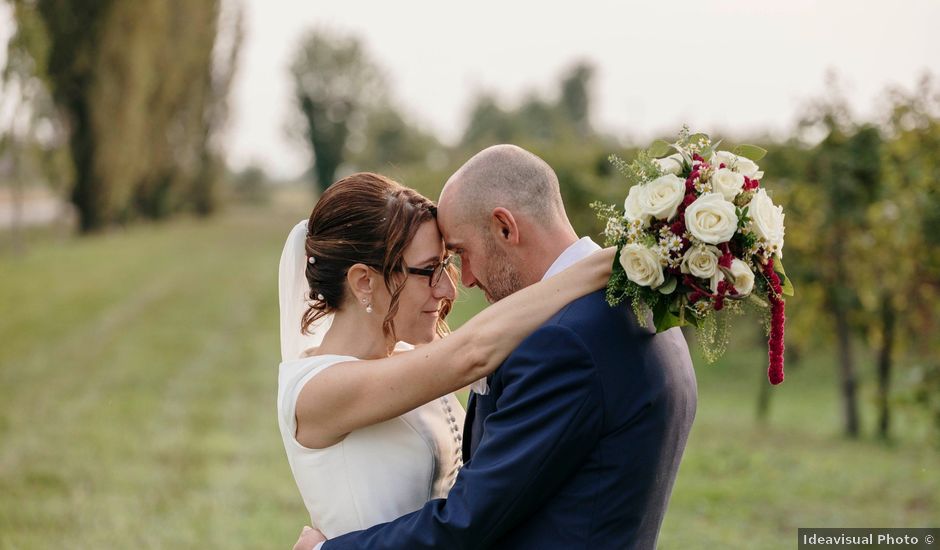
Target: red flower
(724, 288)
(727, 257)
(775, 344)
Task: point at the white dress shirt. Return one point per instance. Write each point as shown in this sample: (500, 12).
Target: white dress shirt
(581, 249)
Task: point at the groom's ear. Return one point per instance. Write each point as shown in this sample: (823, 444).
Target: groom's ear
(504, 226)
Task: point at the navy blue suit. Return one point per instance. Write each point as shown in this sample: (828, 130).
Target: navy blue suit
(576, 446)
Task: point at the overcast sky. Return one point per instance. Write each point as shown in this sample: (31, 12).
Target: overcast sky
(741, 65)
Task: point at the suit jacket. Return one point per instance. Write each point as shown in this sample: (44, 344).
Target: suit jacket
(576, 445)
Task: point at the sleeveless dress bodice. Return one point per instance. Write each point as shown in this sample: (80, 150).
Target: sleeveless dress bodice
(376, 473)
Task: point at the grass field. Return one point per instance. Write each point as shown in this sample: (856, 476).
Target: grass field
(137, 382)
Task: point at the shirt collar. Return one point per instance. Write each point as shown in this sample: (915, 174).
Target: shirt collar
(578, 251)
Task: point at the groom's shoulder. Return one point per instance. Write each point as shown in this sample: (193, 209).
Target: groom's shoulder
(589, 311)
(569, 324)
(582, 324)
(597, 324)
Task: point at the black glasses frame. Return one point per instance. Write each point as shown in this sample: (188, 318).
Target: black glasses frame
(435, 273)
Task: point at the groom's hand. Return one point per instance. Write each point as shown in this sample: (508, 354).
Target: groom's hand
(309, 538)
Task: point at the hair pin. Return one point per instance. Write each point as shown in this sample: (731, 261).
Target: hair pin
(320, 297)
(311, 260)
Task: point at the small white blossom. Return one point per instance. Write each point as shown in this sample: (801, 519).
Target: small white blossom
(703, 186)
(669, 247)
(634, 230)
(614, 229)
(699, 146)
(702, 307)
(752, 250)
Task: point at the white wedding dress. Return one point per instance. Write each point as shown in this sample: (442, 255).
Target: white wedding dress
(377, 473)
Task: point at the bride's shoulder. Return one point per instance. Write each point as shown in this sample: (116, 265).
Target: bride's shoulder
(319, 359)
(310, 365)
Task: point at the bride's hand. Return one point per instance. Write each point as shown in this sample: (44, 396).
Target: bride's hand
(309, 539)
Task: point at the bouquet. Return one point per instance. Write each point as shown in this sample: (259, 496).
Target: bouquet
(699, 239)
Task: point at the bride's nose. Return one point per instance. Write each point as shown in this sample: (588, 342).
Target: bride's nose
(444, 288)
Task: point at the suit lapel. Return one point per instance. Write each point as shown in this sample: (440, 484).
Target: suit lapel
(468, 426)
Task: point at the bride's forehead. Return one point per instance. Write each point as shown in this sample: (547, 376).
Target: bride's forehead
(426, 243)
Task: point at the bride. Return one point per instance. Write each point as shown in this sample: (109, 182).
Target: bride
(370, 424)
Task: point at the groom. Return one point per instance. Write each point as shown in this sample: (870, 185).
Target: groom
(575, 441)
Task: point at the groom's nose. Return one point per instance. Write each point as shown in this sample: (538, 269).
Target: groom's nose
(466, 275)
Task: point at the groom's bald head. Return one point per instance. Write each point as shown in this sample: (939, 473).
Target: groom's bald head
(502, 213)
(505, 176)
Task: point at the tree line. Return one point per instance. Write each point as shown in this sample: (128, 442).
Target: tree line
(127, 100)
(862, 199)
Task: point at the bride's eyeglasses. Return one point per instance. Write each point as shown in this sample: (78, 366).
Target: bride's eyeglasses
(434, 274)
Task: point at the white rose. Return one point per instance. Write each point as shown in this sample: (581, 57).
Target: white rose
(742, 278)
(723, 157)
(701, 261)
(728, 183)
(631, 206)
(741, 165)
(642, 265)
(767, 220)
(748, 168)
(671, 164)
(662, 196)
(711, 219)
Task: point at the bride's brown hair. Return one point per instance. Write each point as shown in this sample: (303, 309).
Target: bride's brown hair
(365, 219)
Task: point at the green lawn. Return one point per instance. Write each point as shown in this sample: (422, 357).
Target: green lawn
(137, 383)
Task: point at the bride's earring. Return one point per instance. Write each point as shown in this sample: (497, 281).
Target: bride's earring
(368, 307)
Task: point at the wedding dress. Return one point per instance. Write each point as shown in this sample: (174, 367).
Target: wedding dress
(376, 473)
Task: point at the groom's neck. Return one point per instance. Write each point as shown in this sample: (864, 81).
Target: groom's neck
(545, 250)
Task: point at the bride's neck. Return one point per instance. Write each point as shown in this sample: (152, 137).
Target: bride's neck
(351, 334)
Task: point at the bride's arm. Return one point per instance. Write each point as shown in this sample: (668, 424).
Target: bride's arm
(361, 393)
